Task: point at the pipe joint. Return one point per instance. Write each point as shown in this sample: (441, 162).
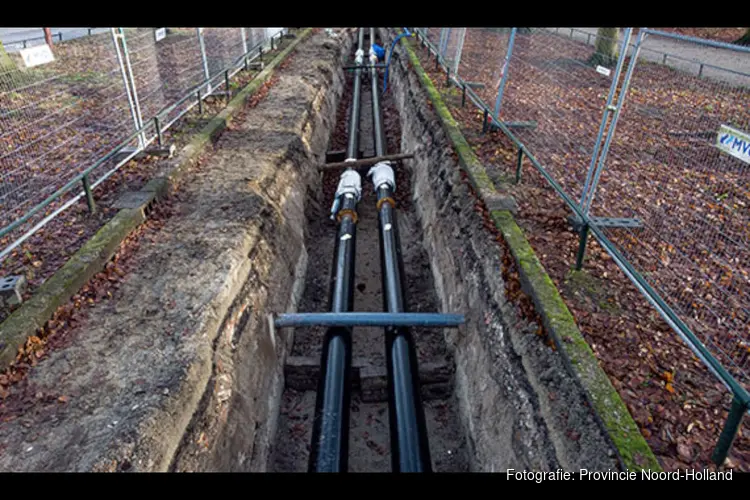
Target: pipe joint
(382, 173)
(359, 57)
(350, 183)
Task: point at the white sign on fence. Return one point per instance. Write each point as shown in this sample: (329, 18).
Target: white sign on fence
(34, 56)
(734, 142)
(604, 71)
(160, 34)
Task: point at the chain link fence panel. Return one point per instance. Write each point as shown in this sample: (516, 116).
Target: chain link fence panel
(554, 101)
(678, 164)
(99, 96)
(56, 120)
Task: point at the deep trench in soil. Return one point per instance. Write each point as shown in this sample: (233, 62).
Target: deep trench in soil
(369, 438)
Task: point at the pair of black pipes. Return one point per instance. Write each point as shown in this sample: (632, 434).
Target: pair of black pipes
(330, 439)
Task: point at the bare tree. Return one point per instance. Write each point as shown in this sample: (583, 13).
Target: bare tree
(744, 39)
(606, 47)
(48, 36)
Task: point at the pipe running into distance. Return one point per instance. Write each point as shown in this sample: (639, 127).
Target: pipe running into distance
(330, 436)
(377, 122)
(352, 149)
(408, 430)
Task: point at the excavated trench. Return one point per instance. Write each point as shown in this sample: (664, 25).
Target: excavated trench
(369, 446)
(495, 396)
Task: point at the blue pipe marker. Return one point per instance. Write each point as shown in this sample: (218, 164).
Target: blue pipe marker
(376, 319)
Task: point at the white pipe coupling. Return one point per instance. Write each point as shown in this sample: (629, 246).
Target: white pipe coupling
(350, 184)
(373, 56)
(382, 173)
(359, 57)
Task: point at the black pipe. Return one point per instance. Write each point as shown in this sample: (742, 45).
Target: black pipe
(409, 444)
(352, 149)
(377, 122)
(330, 436)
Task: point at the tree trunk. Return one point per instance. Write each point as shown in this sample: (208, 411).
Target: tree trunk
(744, 39)
(606, 47)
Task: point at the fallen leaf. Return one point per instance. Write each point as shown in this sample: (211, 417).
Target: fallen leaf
(684, 452)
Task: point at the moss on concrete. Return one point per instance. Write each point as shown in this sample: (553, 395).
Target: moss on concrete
(558, 321)
(86, 262)
(98, 250)
(583, 282)
(157, 185)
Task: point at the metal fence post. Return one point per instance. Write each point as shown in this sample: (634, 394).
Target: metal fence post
(157, 126)
(443, 38)
(728, 433)
(206, 73)
(583, 238)
(447, 41)
(89, 194)
(607, 110)
(226, 85)
(244, 41)
(519, 164)
(243, 34)
(504, 72)
(459, 50)
(117, 34)
(613, 124)
(128, 66)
